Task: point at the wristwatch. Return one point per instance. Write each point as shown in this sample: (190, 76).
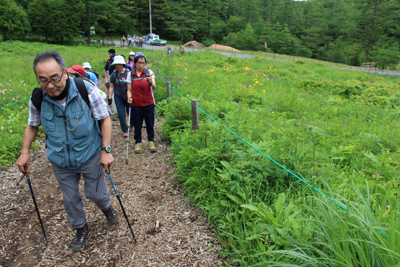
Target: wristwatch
(106, 149)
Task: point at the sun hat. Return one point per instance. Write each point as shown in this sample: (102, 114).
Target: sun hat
(139, 54)
(118, 60)
(131, 53)
(86, 65)
(76, 69)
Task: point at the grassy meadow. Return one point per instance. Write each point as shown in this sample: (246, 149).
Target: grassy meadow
(334, 130)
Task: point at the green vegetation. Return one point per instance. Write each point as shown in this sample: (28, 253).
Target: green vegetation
(348, 32)
(263, 214)
(13, 20)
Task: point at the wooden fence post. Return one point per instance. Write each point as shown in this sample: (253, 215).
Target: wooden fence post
(168, 89)
(195, 114)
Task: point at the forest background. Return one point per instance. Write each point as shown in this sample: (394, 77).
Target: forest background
(342, 31)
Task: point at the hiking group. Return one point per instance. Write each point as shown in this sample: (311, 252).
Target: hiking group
(130, 89)
(134, 41)
(77, 121)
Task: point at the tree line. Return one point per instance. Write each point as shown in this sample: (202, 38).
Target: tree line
(343, 31)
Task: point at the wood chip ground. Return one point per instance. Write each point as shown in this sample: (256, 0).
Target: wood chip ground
(169, 231)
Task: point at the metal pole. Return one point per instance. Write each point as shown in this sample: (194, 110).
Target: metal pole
(127, 142)
(120, 203)
(151, 29)
(34, 200)
(158, 118)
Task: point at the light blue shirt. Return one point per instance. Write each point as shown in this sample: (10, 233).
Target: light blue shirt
(93, 77)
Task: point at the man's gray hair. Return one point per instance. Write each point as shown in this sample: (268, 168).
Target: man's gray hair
(48, 55)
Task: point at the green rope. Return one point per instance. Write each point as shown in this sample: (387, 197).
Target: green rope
(277, 163)
(15, 103)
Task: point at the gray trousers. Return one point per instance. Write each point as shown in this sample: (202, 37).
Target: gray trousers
(68, 179)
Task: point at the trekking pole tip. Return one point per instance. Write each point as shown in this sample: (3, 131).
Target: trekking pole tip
(126, 161)
(134, 239)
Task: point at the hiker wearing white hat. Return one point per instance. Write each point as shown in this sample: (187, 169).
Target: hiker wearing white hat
(86, 66)
(130, 61)
(119, 86)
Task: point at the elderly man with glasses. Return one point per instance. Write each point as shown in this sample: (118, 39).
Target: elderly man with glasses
(76, 144)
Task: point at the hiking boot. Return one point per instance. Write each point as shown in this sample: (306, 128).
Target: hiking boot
(82, 234)
(115, 117)
(125, 134)
(152, 147)
(131, 128)
(111, 215)
(138, 148)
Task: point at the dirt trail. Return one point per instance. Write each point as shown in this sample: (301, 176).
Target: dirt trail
(169, 231)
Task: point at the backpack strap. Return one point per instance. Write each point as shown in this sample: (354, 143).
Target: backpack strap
(80, 84)
(37, 94)
(37, 98)
(146, 71)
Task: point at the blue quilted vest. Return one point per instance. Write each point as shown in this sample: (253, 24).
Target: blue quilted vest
(73, 136)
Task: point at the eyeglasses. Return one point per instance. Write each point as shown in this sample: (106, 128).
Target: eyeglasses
(53, 81)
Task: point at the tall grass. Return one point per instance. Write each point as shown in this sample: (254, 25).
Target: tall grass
(355, 237)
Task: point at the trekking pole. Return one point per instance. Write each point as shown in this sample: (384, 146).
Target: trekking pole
(127, 142)
(120, 203)
(158, 118)
(33, 197)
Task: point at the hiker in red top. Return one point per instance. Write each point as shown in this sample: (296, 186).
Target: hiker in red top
(141, 84)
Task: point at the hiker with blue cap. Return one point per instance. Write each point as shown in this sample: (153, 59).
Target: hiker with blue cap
(141, 83)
